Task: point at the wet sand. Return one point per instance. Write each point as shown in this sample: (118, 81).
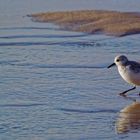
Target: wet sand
(93, 21)
(129, 118)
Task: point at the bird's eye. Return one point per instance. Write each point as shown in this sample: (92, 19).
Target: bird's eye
(117, 60)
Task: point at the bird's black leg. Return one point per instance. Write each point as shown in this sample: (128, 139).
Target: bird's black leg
(123, 93)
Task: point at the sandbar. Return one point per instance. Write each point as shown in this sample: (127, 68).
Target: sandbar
(112, 23)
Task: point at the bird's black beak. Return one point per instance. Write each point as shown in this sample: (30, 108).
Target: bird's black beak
(111, 65)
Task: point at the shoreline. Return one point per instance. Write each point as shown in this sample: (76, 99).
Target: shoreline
(113, 23)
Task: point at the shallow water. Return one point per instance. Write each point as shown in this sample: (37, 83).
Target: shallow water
(54, 84)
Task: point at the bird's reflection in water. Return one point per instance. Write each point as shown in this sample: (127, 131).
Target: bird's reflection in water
(129, 118)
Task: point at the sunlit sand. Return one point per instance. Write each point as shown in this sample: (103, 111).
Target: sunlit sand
(94, 21)
(129, 118)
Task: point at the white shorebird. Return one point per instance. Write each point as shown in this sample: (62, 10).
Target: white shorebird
(129, 71)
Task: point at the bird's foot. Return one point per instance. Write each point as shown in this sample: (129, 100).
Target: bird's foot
(122, 94)
(126, 97)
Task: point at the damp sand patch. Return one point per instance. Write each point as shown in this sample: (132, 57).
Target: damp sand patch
(93, 21)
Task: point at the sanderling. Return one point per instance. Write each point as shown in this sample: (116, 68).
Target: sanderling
(129, 71)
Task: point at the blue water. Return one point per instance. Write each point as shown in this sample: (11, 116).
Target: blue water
(54, 84)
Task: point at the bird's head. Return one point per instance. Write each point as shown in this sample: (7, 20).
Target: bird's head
(119, 60)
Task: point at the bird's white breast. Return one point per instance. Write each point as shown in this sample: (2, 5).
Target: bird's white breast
(129, 75)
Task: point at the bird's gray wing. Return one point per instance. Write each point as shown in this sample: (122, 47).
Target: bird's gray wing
(135, 66)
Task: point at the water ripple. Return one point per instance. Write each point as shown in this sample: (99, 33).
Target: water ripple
(9, 62)
(23, 105)
(27, 28)
(63, 66)
(62, 43)
(88, 111)
(41, 36)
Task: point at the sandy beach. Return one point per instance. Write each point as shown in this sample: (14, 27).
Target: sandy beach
(94, 21)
